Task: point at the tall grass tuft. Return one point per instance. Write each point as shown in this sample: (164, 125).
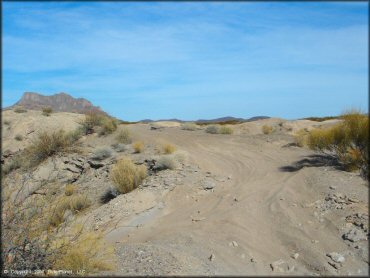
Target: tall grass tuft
(126, 176)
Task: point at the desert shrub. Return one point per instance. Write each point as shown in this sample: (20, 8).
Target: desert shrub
(124, 136)
(102, 153)
(69, 189)
(189, 126)
(138, 146)
(213, 129)
(18, 137)
(168, 148)
(119, 147)
(75, 135)
(108, 195)
(78, 203)
(75, 204)
(126, 176)
(6, 122)
(107, 126)
(92, 119)
(225, 130)
(166, 162)
(347, 141)
(19, 110)
(46, 111)
(300, 137)
(89, 253)
(48, 144)
(267, 129)
(95, 118)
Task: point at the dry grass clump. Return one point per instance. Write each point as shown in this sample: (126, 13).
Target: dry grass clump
(225, 130)
(18, 137)
(96, 118)
(19, 110)
(74, 204)
(168, 148)
(300, 137)
(166, 162)
(49, 144)
(347, 141)
(69, 189)
(46, 111)
(88, 254)
(213, 129)
(219, 129)
(126, 176)
(107, 126)
(124, 136)
(267, 129)
(102, 153)
(189, 126)
(138, 146)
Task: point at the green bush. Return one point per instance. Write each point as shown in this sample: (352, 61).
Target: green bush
(226, 130)
(213, 129)
(348, 141)
(46, 111)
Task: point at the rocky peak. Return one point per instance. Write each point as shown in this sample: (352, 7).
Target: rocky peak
(60, 102)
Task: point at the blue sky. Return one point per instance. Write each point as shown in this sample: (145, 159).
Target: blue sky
(190, 60)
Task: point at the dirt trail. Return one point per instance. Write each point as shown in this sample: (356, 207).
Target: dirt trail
(256, 216)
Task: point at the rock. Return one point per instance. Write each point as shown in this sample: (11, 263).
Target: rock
(332, 187)
(234, 243)
(353, 200)
(354, 235)
(314, 241)
(279, 266)
(253, 260)
(336, 266)
(212, 257)
(95, 165)
(208, 184)
(336, 257)
(295, 256)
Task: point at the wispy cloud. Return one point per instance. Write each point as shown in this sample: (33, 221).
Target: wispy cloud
(215, 58)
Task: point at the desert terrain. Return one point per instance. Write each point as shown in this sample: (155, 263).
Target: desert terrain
(246, 203)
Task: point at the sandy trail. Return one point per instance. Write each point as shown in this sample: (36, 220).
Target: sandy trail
(260, 209)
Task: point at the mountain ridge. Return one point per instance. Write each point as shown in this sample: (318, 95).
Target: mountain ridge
(59, 102)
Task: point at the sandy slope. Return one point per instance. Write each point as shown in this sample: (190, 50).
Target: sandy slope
(264, 211)
(256, 215)
(32, 122)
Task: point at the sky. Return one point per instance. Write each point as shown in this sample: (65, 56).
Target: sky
(190, 60)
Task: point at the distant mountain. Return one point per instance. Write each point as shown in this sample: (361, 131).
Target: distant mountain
(218, 120)
(60, 102)
(257, 118)
(223, 119)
